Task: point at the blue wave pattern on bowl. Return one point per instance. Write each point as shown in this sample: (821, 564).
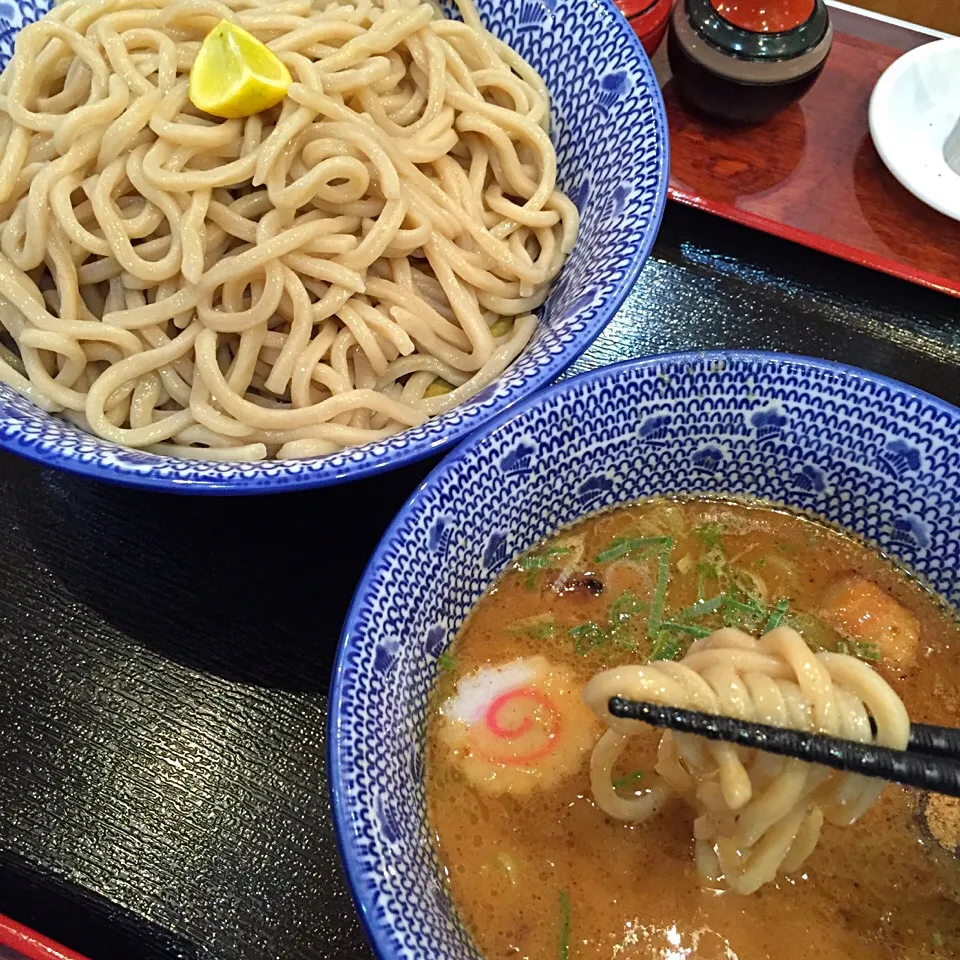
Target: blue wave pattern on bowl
(874, 456)
(610, 134)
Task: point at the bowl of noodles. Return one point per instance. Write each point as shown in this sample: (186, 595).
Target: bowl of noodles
(758, 535)
(440, 215)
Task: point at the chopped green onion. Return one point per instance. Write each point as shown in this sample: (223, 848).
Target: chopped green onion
(701, 608)
(746, 615)
(446, 662)
(690, 629)
(740, 578)
(626, 606)
(532, 563)
(759, 563)
(710, 535)
(739, 593)
(620, 547)
(776, 615)
(564, 924)
(861, 650)
(627, 779)
(707, 570)
(738, 606)
(620, 634)
(664, 647)
(660, 593)
(626, 546)
(936, 939)
(586, 636)
(538, 627)
(543, 559)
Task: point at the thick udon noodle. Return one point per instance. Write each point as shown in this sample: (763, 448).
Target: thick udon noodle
(287, 284)
(757, 814)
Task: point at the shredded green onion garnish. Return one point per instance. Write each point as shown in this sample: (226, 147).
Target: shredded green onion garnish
(564, 924)
(660, 592)
(690, 629)
(543, 559)
(627, 779)
(708, 570)
(776, 615)
(538, 627)
(710, 534)
(621, 636)
(748, 615)
(532, 563)
(669, 634)
(861, 650)
(738, 606)
(586, 636)
(629, 546)
(626, 606)
(664, 647)
(620, 547)
(446, 662)
(701, 608)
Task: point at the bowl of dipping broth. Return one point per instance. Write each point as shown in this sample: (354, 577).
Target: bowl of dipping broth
(754, 534)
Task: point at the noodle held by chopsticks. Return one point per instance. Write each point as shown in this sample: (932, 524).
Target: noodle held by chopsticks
(332, 271)
(757, 815)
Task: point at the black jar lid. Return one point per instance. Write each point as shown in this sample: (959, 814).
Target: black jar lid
(743, 44)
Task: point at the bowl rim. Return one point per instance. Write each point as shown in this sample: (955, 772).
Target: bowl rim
(364, 894)
(364, 461)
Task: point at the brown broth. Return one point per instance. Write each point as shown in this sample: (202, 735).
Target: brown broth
(878, 890)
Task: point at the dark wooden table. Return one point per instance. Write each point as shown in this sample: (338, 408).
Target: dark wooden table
(165, 660)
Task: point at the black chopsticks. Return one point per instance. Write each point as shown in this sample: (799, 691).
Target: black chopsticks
(930, 761)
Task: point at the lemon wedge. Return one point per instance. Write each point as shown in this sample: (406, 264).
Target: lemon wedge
(437, 389)
(235, 75)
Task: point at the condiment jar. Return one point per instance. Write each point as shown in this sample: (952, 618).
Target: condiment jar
(649, 19)
(744, 61)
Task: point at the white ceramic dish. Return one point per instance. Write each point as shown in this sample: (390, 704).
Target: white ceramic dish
(914, 107)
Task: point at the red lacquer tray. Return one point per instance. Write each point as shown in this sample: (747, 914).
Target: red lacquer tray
(812, 174)
(21, 943)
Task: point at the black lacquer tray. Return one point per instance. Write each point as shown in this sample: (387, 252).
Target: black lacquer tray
(164, 662)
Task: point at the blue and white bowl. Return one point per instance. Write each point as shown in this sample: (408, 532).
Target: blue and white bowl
(611, 136)
(872, 455)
